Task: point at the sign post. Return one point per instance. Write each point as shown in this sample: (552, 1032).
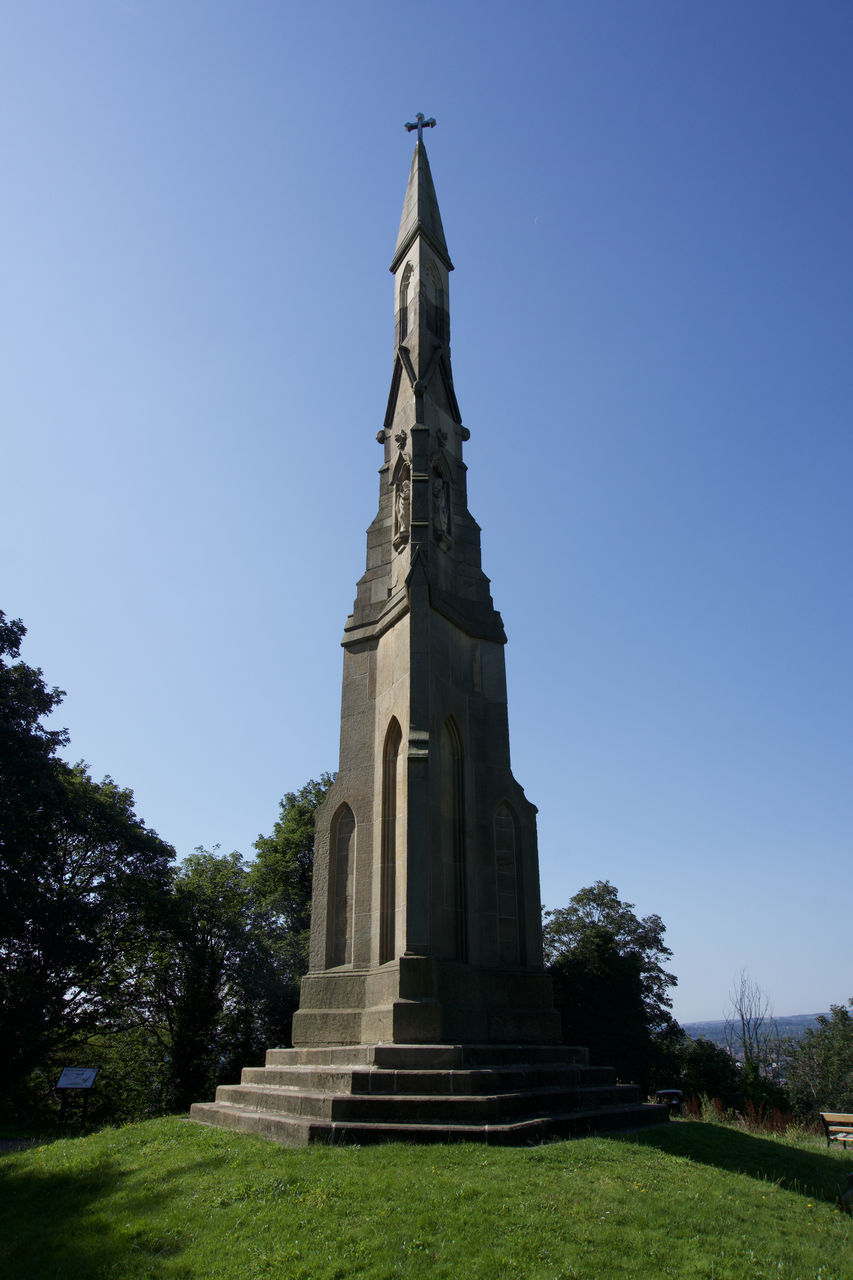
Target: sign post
(75, 1080)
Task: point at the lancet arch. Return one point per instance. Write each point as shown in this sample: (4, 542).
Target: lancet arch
(508, 887)
(437, 302)
(403, 302)
(341, 885)
(452, 908)
(390, 872)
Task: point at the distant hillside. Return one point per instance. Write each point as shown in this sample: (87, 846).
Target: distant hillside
(793, 1026)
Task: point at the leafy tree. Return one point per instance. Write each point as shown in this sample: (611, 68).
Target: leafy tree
(599, 993)
(820, 1064)
(170, 980)
(281, 877)
(609, 982)
(81, 879)
(77, 909)
(30, 785)
(599, 906)
(233, 951)
(214, 995)
(707, 1070)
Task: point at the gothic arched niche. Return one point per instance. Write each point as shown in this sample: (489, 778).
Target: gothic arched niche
(403, 307)
(401, 482)
(440, 500)
(453, 913)
(510, 914)
(437, 310)
(341, 885)
(390, 876)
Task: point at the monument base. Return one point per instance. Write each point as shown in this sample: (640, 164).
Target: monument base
(422, 1000)
(502, 1095)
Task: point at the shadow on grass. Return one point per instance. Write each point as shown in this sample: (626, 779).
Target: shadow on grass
(816, 1174)
(65, 1223)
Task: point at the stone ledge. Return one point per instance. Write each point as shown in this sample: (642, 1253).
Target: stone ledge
(292, 1131)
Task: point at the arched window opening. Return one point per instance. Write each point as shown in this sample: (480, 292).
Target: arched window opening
(389, 877)
(342, 883)
(403, 309)
(437, 304)
(453, 889)
(510, 914)
(440, 315)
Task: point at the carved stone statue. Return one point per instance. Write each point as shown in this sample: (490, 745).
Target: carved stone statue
(440, 512)
(402, 510)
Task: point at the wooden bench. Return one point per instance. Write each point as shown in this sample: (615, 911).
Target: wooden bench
(838, 1127)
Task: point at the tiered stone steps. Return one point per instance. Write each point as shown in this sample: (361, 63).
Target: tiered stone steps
(427, 1093)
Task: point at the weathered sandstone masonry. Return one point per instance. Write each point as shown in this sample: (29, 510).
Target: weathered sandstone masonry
(426, 1012)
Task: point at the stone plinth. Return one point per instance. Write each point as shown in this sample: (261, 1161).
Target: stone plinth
(503, 1095)
(421, 1000)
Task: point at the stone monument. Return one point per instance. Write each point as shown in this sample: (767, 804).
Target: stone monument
(426, 1012)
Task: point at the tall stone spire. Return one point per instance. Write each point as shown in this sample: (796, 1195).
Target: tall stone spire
(426, 1014)
(420, 211)
(425, 918)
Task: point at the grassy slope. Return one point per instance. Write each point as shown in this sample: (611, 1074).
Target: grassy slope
(170, 1199)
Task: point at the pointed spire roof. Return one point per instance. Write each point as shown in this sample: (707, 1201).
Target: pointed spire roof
(420, 212)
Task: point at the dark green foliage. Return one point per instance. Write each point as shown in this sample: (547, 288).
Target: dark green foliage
(820, 1065)
(211, 990)
(284, 862)
(762, 1094)
(81, 881)
(169, 980)
(599, 906)
(89, 891)
(610, 985)
(702, 1069)
(234, 950)
(281, 878)
(709, 1071)
(599, 993)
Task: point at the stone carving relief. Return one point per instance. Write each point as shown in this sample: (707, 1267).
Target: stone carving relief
(441, 510)
(402, 507)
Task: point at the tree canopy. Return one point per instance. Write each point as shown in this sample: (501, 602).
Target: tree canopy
(283, 869)
(171, 977)
(81, 877)
(820, 1064)
(599, 908)
(610, 985)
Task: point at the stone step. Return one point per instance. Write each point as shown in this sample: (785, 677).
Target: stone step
(498, 1108)
(294, 1131)
(425, 1108)
(427, 1056)
(289, 1130)
(452, 1092)
(526, 1132)
(343, 1079)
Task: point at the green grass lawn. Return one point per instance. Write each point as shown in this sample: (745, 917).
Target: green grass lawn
(170, 1199)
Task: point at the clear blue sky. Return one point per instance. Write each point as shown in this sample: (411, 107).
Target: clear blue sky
(649, 208)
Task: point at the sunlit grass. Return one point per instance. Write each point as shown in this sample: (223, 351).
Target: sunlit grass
(170, 1199)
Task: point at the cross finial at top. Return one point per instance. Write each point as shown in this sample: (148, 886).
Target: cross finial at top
(420, 124)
